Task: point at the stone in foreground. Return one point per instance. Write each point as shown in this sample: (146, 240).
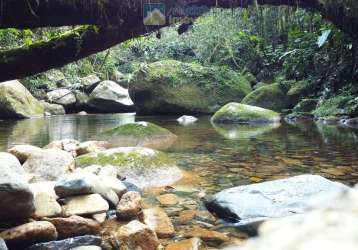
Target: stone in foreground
(273, 199)
(211, 238)
(189, 244)
(67, 244)
(136, 235)
(85, 205)
(16, 198)
(246, 114)
(17, 102)
(143, 167)
(157, 220)
(330, 225)
(129, 206)
(143, 134)
(23, 152)
(30, 233)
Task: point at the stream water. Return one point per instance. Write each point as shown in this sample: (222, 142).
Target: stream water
(214, 158)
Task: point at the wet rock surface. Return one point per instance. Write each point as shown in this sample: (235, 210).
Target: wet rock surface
(67, 244)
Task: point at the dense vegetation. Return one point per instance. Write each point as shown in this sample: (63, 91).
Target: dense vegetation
(282, 45)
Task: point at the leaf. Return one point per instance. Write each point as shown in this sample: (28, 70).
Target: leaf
(323, 38)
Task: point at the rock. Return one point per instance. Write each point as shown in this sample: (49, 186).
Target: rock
(273, 199)
(3, 245)
(129, 206)
(241, 113)
(54, 78)
(305, 105)
(89, 82)
(351, 122)
(187, 216)
(298, 90)
(189, 244)
(30, 233)
(84, 205)
(74, 226)
(186, 120)
(82, 113)
(17, 200)
(68, 145)
(174, 87)
(53, 109)
(294, 118)
(114, 184)
(328, 225)
(142, 166)
(22, 152)
(91, 146)
(212, 238)
(136, 235)
(64, 97)
(67, 244)
(17, 102)
(84, 183)
(157, 220)
(81, 100)
(168, 199)
(142, 134)
(87, 248)
(118, 77)
(109, 97)
(100, 218)
(46, 204)
(271, 97)
(49, 164)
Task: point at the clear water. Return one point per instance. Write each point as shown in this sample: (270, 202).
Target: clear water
(218, 157)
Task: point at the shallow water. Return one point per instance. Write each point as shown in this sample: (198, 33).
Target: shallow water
(217, 157)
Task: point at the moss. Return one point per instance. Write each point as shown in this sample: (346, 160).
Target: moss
(126, 158)
(298, 90)
(272, 97)
(344, 104)
(138, 129)
(171, 86)
(306, 105)
(241, 113)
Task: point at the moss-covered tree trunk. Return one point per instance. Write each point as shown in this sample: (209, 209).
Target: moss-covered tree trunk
(119, 20)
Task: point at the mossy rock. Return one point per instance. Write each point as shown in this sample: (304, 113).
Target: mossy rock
(272, 97)
(306, 105)
(246, 114)
(298, 90)
(144, 167)
(144, 134)
(173, 87)
(17, 102)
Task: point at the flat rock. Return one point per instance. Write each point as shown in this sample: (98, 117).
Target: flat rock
(84, 183)
(212, 238)
(129, 206)
(84, 205)
(49, 164)
(189, 244)
(136, 235)
(157, 220)
(67, 244)
(168, 199)
(272, 199)
(74, 226)
(17, 200)
(22, 152)
(30, 233)
(46, 205)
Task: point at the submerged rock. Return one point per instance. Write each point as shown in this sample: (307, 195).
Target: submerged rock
(30, 233)
(17, 200)
(67, 244)
(23, 152)
(109, 97)
(271, 97)
(17, 102)
(243, 131)
(143, 134)
(173, 87)
(157, 220)
(329, 226)
(246, 114)
(272, 199)
(186, 120)
(211, 238)
(136, 235)
(143, 167)
(189, 244)
(49, 164)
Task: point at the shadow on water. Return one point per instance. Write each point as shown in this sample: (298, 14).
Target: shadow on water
(223, 156)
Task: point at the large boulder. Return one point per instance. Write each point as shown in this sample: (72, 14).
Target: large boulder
(17, 201)
(49, 164)
(53, 109)
(109, 97)
(328, 226)
(273, 96)
(273, 199)
(144, 167)
(143, 134)
(246, 114)
(17, 102)
(173, 87)
(63, 97)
